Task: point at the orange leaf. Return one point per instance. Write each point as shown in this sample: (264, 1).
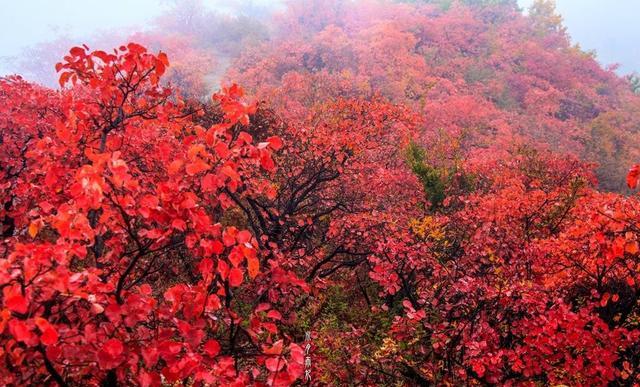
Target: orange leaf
(253, 266)
(197, 167)
(64, 77)
(230, 172)
(163, 58)
(34, 227)
(276, 349)
(632, 247)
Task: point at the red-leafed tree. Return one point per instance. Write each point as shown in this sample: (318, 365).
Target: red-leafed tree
(118, 263)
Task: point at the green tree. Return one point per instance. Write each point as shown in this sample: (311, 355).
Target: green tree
(544, 17)
(432, 179)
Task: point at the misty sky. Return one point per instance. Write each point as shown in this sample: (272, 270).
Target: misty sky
(611, 27)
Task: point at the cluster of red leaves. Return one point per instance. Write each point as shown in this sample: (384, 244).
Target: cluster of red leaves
(116, 260)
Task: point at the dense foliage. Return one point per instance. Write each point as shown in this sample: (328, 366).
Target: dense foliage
(426, 187)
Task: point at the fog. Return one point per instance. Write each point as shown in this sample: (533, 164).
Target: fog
(609, 28)
(35, 29)
(32, 22)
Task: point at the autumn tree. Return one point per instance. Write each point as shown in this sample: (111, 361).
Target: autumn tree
(121, 271)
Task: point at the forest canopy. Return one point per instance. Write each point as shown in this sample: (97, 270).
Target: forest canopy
(435, 192)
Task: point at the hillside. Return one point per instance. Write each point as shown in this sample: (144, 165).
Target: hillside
(478, 70)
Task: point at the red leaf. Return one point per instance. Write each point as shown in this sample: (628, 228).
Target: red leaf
(230, 172)
(135, 48)
(163, 58)
(113, 347)
(274, 314)
(244, 236)
(64, 77)
(222, 150)
(113, 312)
(205, 267)
(262, 307)
(223, 269)
(14, 300)
(189, 202)
(217, 247)
(197, 167)
(632, 177)
(110, 355)
(235, 277)
(209, 183)
(77, 51)
(212, 348)
(229, 236)
(150, 355)
(49, 334)
(235, 256)
(245, 137)
(478, 368)
(274, 364)
(270, 327)
(103, 56)
(297, 353)
(267, 162)
(149, 379)
(179, 224)
(175, 166)
(275, 142)
(169, 348)
(605, 299)
(17, 303)
(275, 349)
(19, 330)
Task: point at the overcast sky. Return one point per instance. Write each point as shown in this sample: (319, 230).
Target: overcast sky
(611, 27)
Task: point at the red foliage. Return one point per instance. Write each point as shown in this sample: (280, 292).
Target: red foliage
(120, 267)
(413, 188)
